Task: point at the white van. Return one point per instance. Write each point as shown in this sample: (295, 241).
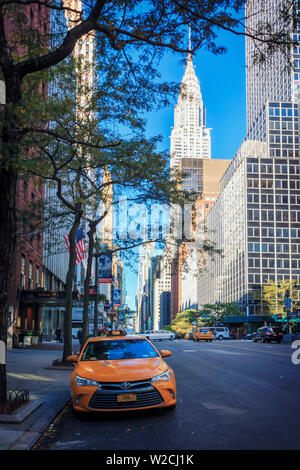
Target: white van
(220, 332)
(160, 334)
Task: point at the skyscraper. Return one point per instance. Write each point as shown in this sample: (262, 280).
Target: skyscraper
(272, 80)
(256, 219)
(189, 137)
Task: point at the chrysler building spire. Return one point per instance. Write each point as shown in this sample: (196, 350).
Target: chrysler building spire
(189, 137)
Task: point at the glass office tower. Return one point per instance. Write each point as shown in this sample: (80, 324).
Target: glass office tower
(256, 219)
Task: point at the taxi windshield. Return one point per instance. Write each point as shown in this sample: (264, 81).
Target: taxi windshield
(118, 349)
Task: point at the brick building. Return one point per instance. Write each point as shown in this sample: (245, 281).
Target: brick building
(27, 264)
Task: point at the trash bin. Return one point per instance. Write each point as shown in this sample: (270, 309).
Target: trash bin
(27, 340)
(34, 340)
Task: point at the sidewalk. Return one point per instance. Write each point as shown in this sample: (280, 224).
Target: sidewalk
(29, 368)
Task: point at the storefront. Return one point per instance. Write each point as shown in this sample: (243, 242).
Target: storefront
(40, 313)
(241, 325)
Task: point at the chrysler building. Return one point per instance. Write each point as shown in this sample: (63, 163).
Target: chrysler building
(189, 137)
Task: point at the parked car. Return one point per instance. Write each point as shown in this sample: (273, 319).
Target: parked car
(179, 335)
(159, 334)
(121, 373)
(266, 334)
(220, 332)
(249, 336)
(202, 333)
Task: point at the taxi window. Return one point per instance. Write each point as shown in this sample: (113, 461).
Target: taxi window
(119, 349)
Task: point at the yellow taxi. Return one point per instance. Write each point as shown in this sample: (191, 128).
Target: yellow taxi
(124, 372)
(201, 333)
(188, 334)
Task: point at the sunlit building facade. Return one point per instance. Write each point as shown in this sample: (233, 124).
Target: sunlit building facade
(190, 138)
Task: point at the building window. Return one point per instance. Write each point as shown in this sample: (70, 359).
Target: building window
(37, 277)
(23, 271)
(30, 275)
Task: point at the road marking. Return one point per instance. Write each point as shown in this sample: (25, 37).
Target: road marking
(225, 352)
(189, 350)
(68, 443)
(257, 350)
(223, 408)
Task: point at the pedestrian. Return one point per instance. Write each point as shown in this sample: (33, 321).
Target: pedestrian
(79, 336)
(58, 334)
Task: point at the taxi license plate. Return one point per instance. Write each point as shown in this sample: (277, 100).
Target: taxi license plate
(126, 397)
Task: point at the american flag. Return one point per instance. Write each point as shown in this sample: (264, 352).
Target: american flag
(80, 245)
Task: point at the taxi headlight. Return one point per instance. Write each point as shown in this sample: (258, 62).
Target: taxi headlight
(166, 376)
(81, 382)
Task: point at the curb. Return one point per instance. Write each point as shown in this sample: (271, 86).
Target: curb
(20, 413)
(34, 438)
(60, 368)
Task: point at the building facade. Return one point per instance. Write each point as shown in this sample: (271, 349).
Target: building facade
(272, 80)
(27, 272)
(255, 221)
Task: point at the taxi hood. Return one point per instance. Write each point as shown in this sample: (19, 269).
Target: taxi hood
(121, 370)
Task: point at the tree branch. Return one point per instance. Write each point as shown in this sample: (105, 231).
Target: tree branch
(67, 46)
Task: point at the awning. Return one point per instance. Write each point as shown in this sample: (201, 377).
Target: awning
(241, 319)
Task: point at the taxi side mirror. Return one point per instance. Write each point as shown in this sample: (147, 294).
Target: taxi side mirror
(73, 358)
(165, 353)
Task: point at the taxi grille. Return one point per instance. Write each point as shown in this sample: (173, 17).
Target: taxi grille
(107, 399)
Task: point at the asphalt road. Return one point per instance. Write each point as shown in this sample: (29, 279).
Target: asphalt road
(231, 395)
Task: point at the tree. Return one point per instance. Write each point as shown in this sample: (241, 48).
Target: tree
(274, 294)
(184, 320)
(129, 33)
(217, 312)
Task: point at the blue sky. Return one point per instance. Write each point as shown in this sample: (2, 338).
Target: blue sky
(223, 85)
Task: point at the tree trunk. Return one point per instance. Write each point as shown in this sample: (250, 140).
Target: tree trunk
(7, 249)
(85, 318)
(69, 286)
(9, 152)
